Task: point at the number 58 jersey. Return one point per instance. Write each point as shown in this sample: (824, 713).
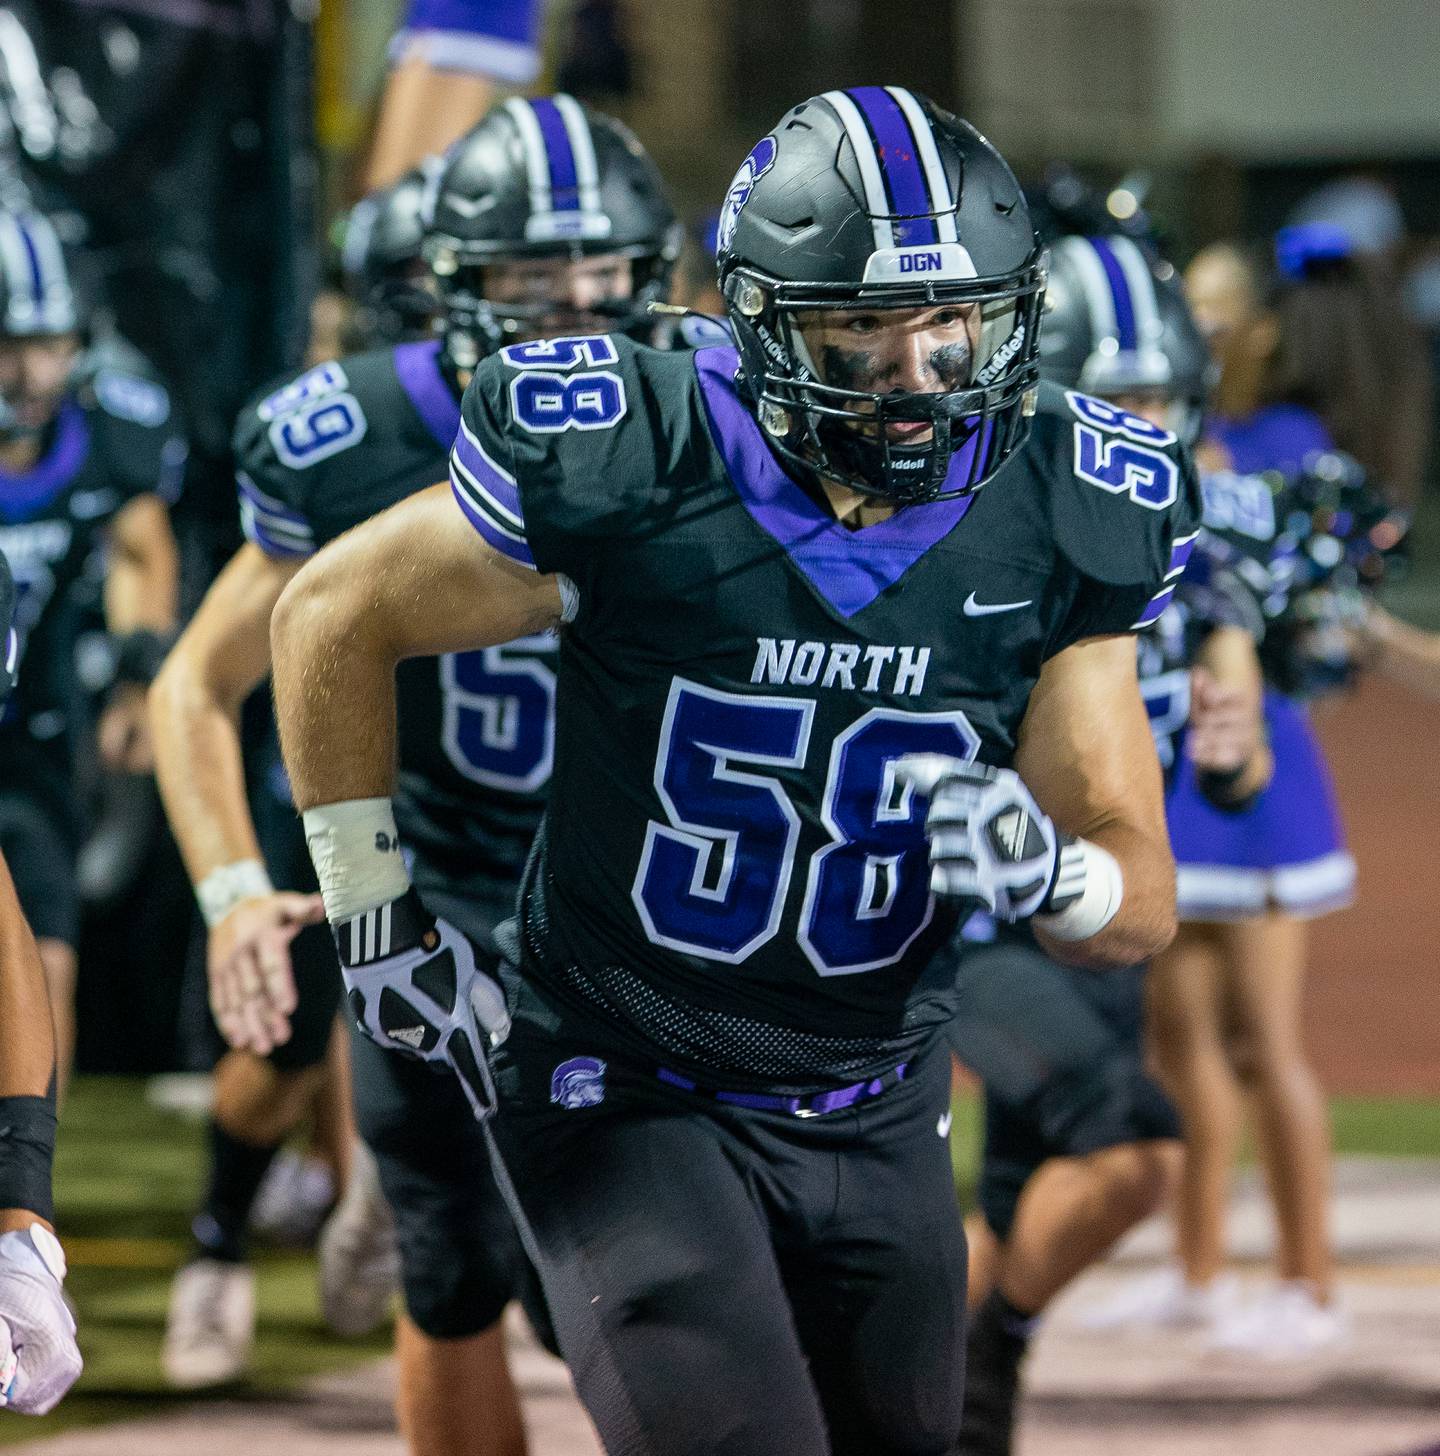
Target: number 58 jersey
(731, 881)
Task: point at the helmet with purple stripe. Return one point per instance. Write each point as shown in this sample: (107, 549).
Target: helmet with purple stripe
(542, 178)
(866, 200)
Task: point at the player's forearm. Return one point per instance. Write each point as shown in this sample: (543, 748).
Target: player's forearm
(27, 1039)
(142, 586)
(333, 669)
(199, 767)
(1144, 923)
(424, 109)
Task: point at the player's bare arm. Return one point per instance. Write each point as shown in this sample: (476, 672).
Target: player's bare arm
(415, 581)
(141, 594)
(195, 702)
(1087, 754)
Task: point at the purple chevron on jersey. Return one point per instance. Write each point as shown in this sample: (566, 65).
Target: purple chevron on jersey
(850, 569)
(1128, 336)
(899, 163)
(28, 492)
(417, 367)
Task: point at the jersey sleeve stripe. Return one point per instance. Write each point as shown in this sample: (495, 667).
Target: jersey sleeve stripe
(1158, 603)
(481, 513)
(275, 529)
(487, 475)
(1180, 554)
(267, 504)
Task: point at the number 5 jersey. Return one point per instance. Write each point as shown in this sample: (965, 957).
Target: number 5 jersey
(731, 882)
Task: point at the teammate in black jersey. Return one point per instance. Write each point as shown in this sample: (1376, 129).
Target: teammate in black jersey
(718, 1065)
(39, 1360)
(574, 233)
(89, 458)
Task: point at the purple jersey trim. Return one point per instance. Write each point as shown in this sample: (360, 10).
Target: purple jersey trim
(27, 494)
(564, 184)
(899, 164)
(490, 498)
(849, 569)
(417, 367)
(1128, 334)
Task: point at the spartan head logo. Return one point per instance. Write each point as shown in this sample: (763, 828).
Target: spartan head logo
(580, 1082)
(755, 166)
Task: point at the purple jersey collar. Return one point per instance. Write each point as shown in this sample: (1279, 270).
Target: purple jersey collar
(25, 495)
(417, 366)
(850, 569)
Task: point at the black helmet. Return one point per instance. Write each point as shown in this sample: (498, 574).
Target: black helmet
(874, 198)
(381, 260)
(544, 177)
(1116, 324)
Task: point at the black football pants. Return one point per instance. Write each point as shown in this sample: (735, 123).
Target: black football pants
(727, 1282)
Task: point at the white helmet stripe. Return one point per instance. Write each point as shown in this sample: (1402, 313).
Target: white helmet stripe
(20, 299)
(935, 178)
(57, 302)
(1148, 327)
(582, 144)
(1097, 290)
(537, 163)
(877, 203)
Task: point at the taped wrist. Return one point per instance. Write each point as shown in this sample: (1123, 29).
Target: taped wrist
(27, 1153)
(1086, 894)
(224, 888)
(355, 848)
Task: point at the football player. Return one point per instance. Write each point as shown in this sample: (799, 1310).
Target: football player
(90, 456)
(548, 217)
(815, 685)
(39, 1360)
(1080, 1143)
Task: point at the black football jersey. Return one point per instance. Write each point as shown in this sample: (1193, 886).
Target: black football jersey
(114, 438)
(730, 875)
(476, 729)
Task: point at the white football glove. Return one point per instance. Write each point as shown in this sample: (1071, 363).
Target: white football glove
(990, 843)
(415, 988)
(39, 1360)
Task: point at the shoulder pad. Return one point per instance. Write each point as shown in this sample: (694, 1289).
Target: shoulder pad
(129, 397)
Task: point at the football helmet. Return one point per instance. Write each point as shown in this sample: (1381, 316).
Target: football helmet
(1116, 325)
(544, 177)
(38, 295)
(382, 263)
(874, 198)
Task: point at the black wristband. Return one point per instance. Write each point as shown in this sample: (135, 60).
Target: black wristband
(27, 1153)
(139, 654)
(388, 930)
(1218, 786)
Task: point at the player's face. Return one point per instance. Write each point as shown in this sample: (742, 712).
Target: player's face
(895, 351)
(1220, 295)
(33, 376)
(569, 291)
(1152, 407)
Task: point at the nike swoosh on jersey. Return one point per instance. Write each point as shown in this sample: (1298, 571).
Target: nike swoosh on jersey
(984, 609)
(943, 1126)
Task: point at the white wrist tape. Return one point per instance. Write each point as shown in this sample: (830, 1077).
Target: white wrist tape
(224, 888)
(1097, 903)
(356, 851)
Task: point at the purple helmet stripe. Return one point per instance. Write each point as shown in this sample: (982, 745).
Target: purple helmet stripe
(1128, 334)
(899, 164)
(564, 183)
(37, 280)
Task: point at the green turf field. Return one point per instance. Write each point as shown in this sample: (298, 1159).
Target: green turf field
(128, 1175)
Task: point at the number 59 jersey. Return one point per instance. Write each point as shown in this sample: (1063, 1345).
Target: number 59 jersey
(731, 880)
(331, 448)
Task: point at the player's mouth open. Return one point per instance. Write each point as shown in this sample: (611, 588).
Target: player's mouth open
(908, 432)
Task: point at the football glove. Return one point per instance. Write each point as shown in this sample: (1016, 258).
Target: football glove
(39, 1360)
(414, 987)
(990, 843)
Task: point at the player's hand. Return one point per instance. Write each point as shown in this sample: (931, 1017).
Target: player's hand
(252, 988)
(415, 988)
(1225, 724)
(39, 1360)
(990, 843)
(123, 733)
